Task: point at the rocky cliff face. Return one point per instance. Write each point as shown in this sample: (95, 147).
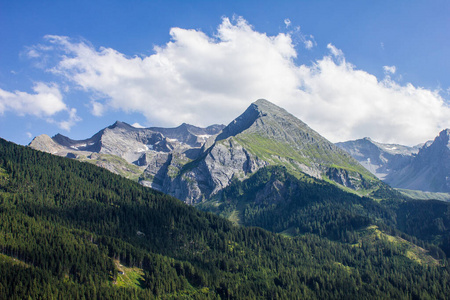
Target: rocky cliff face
(150, 155)
(429, 170)
(423, 167)
(380, 159)
(193, 163)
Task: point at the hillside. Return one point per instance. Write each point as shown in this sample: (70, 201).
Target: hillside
(274, 199)
(70, 229)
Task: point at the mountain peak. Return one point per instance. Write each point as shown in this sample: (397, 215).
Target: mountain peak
(443, 138)
(263, 112)
(244, 121)
(264, 107)
(263, 103)
(445, 134)
(44, 143)
(119, 124)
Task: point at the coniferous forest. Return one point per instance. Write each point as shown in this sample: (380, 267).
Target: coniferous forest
(70, 230)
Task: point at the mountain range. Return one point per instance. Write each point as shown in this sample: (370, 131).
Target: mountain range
(194, 164)
(423, 167)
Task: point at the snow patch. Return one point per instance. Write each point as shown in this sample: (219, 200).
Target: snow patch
(204, 136)
(145, 149)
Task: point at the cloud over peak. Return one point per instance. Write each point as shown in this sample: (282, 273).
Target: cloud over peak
(203, 79)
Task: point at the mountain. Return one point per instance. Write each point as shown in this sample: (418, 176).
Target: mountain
(128, 151)
(429, 170)
(380, 159)
(423, 167)
(264, 135)
(193, 164)
(71, 230)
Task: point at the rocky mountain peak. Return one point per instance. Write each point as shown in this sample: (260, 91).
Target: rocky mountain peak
(241, 123)
(265, 106)
(444, 137)
(45, 143)
(429, 170)
(266, 118)
(122, 125)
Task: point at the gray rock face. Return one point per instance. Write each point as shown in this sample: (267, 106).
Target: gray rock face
(424, 167)
(344, 177)
(193, 163)
(380, 159)
(46, 144)
(154, 156)
(220, 164)
(429, 170)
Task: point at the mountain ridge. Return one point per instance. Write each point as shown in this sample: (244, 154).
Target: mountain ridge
(429, 170)
(193, 163)
(425, 167)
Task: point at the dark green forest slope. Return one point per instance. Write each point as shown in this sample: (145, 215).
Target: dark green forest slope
(276, 200)
(68, 230)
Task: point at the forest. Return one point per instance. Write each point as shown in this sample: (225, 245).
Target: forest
(68, 230)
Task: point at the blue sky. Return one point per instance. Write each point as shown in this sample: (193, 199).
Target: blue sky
(349, 69)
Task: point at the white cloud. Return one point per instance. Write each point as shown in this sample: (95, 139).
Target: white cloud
(389, 69)
(287, 22)
(308, 44)
(201, 79)
(69, 123)
(335, 51)
(97, 109)
(345, 103)
(44, 103)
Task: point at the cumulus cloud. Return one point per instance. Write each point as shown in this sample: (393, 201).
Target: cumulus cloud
(201, 79)
(346, 103)
(46, 101)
